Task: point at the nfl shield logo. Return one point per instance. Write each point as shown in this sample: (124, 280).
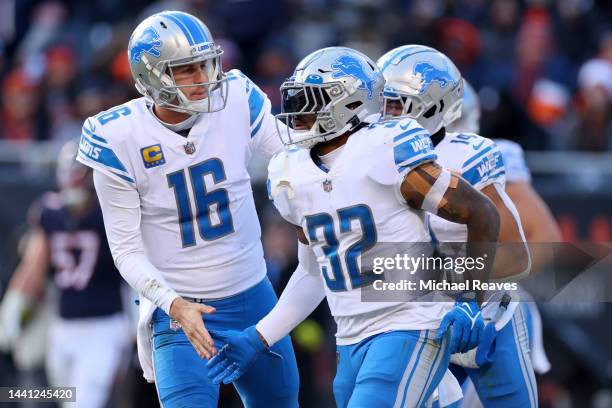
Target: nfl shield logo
(189, 148)
(327, 186)
(174, 325)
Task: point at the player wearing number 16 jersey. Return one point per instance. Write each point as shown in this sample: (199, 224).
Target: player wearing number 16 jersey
(170, 170)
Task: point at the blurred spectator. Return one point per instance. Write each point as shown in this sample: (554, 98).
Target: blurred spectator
(499, 37)
(20, 106)
(47, 23)
(537, 56)
(547, 107)
(593, 130)
(58, 93)
(461, 42)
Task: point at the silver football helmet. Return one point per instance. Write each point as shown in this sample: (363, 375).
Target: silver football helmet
(169, 39)
(338, 86)
(469, 121)
(425, 82)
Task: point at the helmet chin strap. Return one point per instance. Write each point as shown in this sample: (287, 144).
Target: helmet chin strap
(189, 104)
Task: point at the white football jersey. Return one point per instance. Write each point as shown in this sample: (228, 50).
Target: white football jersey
(514, 161)
(199, 225)
(479, 161)
(352, 208)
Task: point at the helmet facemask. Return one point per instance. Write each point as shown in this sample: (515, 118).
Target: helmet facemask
(171, 95)
(432, 115)
(410, 106)
(324, 103)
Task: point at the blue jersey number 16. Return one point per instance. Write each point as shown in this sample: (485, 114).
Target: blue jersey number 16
(207, 203)
(361, 213)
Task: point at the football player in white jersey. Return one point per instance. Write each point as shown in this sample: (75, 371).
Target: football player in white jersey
(538, 223)
(89, 335)
(423, 84)
(170, 170)
(348, 187)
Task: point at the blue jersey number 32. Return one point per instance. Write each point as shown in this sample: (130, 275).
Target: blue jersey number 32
(213, 214)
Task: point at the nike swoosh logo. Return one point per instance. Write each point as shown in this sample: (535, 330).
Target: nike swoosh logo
(406, 126)
(476, 147)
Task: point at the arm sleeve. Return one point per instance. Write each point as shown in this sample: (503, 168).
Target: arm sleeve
(302, 295)
(120, 204)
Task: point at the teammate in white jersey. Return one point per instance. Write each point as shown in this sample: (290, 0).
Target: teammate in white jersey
(423, 83)
(538, 223)
(170, 170)
(348, 188)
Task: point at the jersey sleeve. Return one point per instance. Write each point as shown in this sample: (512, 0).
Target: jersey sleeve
(514, 161)
(101, 153)
(263, 136)
(411, 147)
(406, 146)
(484, 165)
(279, 187)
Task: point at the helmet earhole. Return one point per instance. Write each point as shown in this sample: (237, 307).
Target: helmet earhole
(354, 105)
(430, 112)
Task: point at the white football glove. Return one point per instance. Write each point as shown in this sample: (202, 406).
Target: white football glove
(11, 310)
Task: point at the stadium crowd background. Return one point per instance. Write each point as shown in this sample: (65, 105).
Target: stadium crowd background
(543, 71)
(542, 68)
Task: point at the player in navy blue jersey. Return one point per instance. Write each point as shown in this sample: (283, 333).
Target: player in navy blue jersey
(68, 243)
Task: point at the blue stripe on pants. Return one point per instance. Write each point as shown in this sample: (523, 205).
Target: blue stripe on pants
(391, 369)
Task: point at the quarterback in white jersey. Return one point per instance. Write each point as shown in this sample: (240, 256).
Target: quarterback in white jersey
(422, 83)
(347, 188)
(170, 170)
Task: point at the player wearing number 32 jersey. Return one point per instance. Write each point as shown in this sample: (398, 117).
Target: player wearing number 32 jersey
(348, 186)
(170, 170)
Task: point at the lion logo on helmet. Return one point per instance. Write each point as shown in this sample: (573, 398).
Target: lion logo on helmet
(148, 42)
(347, 65)
(429, 73)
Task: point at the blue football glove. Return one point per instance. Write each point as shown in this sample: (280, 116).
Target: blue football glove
(466, 324)
(241, 349)
(486, 348)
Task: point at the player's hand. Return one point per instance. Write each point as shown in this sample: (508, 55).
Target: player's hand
(11, 311)
(189, 316)
(241, 349)
(466, 325)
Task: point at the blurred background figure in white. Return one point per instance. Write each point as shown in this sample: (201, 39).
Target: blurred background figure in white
(89, 332)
